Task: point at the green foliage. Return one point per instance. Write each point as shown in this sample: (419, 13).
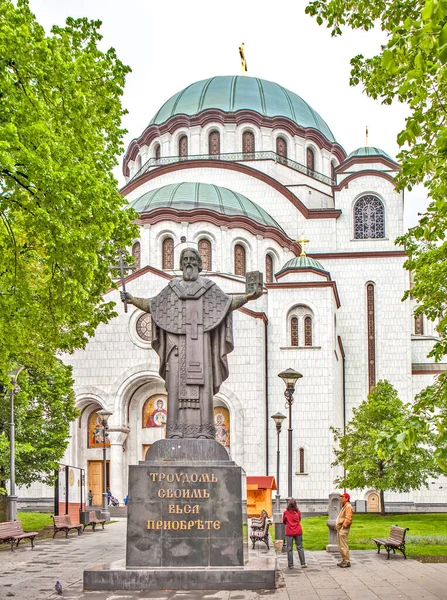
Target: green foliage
(368, 465)
(412, 68)
(61, 216)
(44, 408)
(32, 521)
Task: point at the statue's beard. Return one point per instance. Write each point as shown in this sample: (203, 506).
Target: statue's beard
(190, 273)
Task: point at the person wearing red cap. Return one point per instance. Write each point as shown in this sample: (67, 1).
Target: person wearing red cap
(343, 526)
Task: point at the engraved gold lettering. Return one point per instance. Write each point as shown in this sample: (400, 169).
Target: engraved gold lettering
(199, 524)
(158, 524)
(194, 477)
(182, 524)
(204, 478)
(161, 476)
(191, 524)
(175, 525)
(171, 508)
(195, 509)
(216, 524)
(206, 494)
(150, 524)
(153, 476)
(161, 493)
(169, 493)
(166, 524)
(187, 509)
(170, 477)
(208, 524)
(213, 478)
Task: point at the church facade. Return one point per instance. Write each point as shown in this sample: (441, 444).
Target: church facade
(248, 173)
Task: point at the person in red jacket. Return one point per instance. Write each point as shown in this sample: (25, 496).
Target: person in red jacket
(292, 520)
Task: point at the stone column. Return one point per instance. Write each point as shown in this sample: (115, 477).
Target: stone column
(117, 438)
(333, 510)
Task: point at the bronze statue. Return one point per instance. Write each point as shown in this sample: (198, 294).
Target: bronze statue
(192, 334)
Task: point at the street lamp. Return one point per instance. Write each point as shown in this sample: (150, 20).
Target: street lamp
(290, 377)
(104, 416)
(12, 498)
(278, 418)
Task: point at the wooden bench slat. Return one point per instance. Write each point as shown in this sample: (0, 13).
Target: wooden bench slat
(63, 523)
(12, 532)
(395, 541)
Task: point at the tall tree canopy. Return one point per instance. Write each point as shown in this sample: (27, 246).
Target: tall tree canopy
(61, 215)
(411, 67)
(365, 464)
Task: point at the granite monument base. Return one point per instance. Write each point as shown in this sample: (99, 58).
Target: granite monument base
(185, 525)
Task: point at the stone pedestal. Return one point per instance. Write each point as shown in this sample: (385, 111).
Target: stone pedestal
(333, 510)
(185, 525)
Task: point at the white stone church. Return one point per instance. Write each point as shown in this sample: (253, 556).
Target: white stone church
(247, 172)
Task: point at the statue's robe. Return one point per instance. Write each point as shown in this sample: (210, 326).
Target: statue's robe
(192, 334)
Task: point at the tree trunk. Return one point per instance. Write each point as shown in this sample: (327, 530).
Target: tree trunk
(382, 503)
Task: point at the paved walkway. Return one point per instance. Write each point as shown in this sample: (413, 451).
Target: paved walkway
(31, 574)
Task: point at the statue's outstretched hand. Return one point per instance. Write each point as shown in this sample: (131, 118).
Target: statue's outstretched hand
(126, 297)
(254, 294)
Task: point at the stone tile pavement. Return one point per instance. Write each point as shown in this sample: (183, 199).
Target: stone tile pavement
(31, 574)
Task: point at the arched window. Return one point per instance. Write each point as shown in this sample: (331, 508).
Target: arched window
(248, 143)
(157, 152)
(301, 461)
(239, 260)
(281, 148)
(136, 253)
(205, 253)
(294, 331)
(369, 218)
(308, 331)
(333, 174)
(310, 161)
(419, 325)
(183, 146)
(268, 268)
(214, 142)
(168, 253)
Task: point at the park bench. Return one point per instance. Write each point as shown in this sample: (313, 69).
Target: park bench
(395, 541)
(12, 532)
(93, 520)
(260, 529)
(63, 523)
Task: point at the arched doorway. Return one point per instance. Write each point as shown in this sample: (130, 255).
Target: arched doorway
(373, 503)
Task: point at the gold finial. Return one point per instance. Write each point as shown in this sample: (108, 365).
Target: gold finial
(367, 136)
(243, 61)
(302, 242)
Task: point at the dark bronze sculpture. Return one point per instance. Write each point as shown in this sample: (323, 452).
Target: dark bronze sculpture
(192, 333)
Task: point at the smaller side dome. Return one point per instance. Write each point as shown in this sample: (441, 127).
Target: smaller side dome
(299, 263)
(370, 151)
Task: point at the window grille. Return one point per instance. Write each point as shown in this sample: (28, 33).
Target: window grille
(310, 159)
(205, 253)
(144, 327)
(183, 146)
(157, 152)
(294, 331)
(136, 253)
(214, 142)
(301, 461)
(308, 331)
(268, 268)
(369, 218)
(239, 260)
(281, 147)
(418, 325)
(248, 143)
(168, 253)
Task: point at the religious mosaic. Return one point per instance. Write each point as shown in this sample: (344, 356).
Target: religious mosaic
(96, 432)
(222, 425)
(155, 411)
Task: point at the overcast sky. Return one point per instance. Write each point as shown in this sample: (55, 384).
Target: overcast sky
(171, 44)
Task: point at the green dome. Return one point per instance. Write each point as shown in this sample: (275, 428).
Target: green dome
(370, 151)
(233, 93)
(192, 196)
(302, 262)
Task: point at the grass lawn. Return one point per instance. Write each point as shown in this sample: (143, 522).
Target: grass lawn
(427, 535)
(34, 521)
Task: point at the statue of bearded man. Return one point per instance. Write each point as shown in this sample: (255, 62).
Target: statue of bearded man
(192, 333)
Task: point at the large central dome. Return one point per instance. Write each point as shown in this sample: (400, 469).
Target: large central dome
(233, 93)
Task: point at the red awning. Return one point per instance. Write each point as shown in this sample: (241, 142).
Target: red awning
(263, 482)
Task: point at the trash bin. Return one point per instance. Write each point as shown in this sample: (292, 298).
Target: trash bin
(84, 517)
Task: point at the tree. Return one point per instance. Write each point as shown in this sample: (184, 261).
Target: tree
(44, 408)
(61, 215)
(412, 68)
(368, 466)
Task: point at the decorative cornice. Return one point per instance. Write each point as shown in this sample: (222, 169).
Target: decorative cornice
(363, 160)
(306, 270)
(199, 214)
(428, 368)
(367, 254)
(307, 284)
(239, 117)
(254, 314)
(366, 173)
(250, 171)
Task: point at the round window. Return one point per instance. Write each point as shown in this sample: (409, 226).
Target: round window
(144, 327)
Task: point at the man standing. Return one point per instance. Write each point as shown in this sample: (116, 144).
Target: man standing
(192, 335)
(343, 526)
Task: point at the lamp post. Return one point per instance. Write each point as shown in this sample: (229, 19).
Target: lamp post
(278, 418)
(290, 377)
(12, 498)
(104, 416)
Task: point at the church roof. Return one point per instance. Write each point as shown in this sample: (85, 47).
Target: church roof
(204, 196)
(232, 93)
(302, 262)
(370, 151)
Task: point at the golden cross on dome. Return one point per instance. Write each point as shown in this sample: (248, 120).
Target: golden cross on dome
(367, 133)
(302, 242)
(243, 61)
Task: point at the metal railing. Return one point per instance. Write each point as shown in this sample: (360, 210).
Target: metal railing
(154, 163)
